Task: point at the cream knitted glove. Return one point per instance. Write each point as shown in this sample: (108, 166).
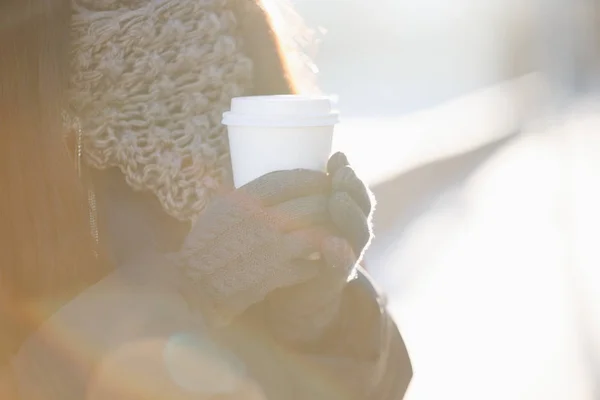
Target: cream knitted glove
(245, 244)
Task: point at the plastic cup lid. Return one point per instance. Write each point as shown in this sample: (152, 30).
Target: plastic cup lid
(281, 111)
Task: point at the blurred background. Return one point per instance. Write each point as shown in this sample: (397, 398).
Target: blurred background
(487, 220)
(414, 54)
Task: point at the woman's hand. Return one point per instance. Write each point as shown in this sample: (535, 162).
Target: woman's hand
(244, 245)
(302, 313)
(351, 204)
(265, 235)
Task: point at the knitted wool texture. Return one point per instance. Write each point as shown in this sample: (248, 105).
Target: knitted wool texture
(150, 82)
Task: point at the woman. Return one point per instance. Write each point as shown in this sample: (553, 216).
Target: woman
(149, 83)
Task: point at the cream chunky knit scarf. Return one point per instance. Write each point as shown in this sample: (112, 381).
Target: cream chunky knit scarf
(151, 79)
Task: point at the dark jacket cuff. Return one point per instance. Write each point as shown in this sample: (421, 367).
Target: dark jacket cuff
(366, 335)
(392, 370)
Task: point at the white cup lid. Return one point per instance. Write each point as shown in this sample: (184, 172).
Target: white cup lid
(281, 111)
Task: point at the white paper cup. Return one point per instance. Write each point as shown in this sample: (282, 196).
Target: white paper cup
(272, 133)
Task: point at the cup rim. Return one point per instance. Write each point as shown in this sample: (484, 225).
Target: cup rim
(233, 119)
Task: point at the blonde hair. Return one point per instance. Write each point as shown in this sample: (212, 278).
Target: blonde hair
(296, 42)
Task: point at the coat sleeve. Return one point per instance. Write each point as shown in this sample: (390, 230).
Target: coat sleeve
(369, 328)
(363, 357)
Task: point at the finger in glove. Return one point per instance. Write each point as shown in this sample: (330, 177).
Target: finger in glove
(345, 180)
(273, 266)
(351, 221)
(337, 161)
(280, 186)
(300, 213)
(301, 244)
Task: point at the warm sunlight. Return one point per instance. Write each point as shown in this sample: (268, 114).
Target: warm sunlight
(299, 199)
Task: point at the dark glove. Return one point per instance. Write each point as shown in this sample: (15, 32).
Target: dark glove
(247, 244)
(364, 357)
(351, 204)
(304, 312)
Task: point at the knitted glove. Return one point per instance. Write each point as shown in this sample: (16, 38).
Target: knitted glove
(304, 312)
(246, 244)
(351, 204)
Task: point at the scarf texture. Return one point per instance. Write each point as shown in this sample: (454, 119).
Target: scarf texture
(150, 82)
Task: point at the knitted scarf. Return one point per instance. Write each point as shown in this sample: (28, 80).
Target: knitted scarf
(150, 82)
